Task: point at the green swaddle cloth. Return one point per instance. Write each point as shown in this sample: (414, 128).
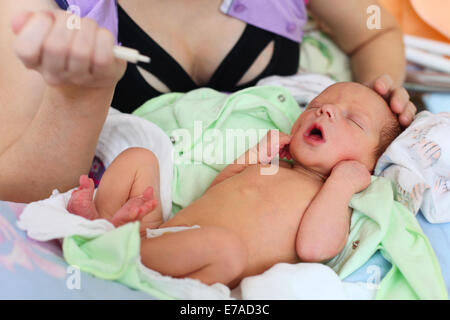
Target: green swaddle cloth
(378, 222)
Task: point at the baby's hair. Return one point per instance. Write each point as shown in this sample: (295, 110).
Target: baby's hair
(391, 130)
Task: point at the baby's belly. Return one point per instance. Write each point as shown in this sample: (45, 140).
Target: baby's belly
(266, 222)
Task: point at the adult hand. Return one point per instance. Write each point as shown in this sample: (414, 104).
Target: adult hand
(398, 99)
(80, 57)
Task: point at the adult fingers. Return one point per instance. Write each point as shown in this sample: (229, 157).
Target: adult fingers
(103, 60)
(407, 116)
(56, 48)
(82, 50)
(31, 37)
(383, 85)
(20, 20)
(399, 100)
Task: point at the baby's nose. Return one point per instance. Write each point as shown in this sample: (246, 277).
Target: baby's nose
(328, 111)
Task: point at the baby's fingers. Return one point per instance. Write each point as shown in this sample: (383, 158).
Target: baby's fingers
(32, 30)
(284, 152)
(284, 139)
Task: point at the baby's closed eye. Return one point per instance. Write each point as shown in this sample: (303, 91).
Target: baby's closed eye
(356, 121)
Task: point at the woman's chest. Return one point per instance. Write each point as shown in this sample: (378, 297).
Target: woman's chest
(195, 33)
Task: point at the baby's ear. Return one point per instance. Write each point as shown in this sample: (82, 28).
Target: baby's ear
(372, 169)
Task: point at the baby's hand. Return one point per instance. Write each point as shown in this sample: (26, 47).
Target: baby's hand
(272, 144)
(74, 57)
(352, 174)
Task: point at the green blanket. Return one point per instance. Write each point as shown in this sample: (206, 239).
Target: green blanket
(378, 222)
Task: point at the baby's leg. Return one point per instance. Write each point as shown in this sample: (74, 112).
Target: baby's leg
(126, 185)
(128, 190)
(209, 254)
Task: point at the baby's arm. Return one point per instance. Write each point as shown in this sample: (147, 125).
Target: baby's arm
(262, 153)
(324, 228)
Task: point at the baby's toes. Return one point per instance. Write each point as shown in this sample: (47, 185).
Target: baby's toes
(124, 215)
(86, 183)
(148, 194)
(133, 210)
(81, 204)
(146, 208)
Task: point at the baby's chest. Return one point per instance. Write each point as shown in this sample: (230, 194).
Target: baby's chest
(282, 192)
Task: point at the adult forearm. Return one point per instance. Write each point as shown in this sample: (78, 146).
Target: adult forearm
(56, 148)
(382, 54)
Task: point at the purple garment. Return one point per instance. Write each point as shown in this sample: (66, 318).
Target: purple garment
(283, 17)
(97, 170)
(102, 11)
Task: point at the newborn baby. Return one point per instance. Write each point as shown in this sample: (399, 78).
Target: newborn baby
(248, 221)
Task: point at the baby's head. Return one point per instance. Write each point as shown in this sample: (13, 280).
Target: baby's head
(347, 121)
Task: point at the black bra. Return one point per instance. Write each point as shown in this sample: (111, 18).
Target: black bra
(133, 90)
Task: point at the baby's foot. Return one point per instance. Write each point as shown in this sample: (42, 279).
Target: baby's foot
(81, 202)
(135, 208)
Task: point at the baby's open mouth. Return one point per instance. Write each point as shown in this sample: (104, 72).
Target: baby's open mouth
(315, 133)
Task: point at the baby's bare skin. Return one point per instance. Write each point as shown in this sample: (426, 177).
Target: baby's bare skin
(250, 221)
(263, 210)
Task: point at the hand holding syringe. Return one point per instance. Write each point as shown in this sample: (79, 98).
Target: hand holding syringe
(83, 57)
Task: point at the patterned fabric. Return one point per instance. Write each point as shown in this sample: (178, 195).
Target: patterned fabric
(22, 252)
(418, 163)
(32, 269)
(97, 170)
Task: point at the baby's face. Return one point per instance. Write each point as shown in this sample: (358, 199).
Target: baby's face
(342, 123)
